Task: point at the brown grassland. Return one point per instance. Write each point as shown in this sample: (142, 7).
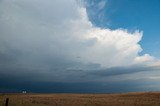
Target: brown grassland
(127, 99)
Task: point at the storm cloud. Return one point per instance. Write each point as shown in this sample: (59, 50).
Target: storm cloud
(55, 42)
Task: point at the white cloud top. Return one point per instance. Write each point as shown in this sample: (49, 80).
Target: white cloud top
(61, 30)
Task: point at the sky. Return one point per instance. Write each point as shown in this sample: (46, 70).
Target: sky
(131, 15)
(79, 46)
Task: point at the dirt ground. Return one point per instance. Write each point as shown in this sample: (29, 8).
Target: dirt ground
(128, 99)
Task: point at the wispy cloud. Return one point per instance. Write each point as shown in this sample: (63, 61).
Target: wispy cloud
(102, 4)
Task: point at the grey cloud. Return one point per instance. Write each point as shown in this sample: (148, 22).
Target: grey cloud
(41, 44)
(123, 70)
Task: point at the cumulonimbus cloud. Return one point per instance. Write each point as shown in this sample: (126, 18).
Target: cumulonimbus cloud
(45, 34)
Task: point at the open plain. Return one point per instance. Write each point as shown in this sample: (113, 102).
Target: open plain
(126, 99)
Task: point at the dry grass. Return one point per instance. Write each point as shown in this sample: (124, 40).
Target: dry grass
(129, 99)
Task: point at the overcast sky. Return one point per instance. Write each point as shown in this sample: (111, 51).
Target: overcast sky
(72, 46)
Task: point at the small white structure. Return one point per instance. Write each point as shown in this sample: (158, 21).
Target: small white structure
(24, 92)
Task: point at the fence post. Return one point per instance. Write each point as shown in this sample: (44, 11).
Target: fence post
(7, 100)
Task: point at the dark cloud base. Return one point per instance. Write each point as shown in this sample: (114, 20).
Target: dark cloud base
(84, 81)
(75, 87)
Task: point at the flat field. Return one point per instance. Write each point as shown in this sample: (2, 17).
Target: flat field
(127, 99)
